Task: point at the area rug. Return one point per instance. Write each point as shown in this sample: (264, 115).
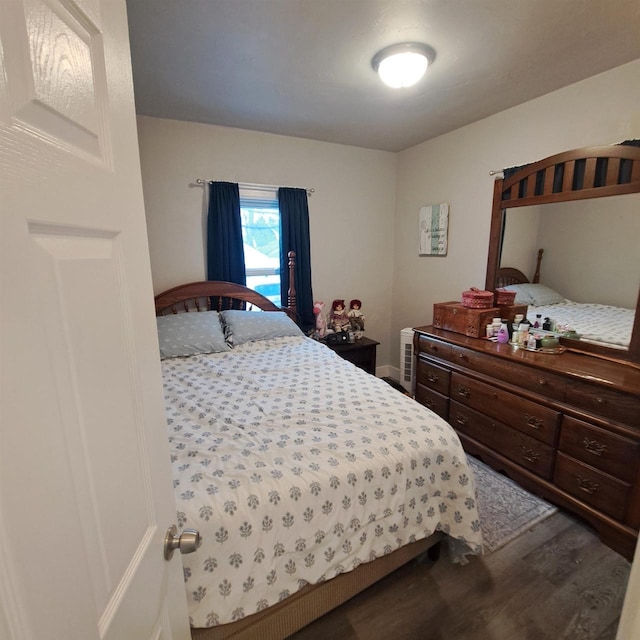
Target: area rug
(506, 509)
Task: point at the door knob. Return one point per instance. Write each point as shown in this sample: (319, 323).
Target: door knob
(188, 541)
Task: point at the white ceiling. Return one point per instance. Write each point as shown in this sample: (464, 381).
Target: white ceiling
(303, 67)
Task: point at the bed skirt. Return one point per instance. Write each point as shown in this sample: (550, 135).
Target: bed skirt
(311, 602)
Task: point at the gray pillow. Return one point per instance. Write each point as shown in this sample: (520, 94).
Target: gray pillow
(543, 295)
(538, 295)
(247, 326)
(186, 334)
(522, 293)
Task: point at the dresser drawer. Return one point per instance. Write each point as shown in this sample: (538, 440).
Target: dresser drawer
(465, 357)
(523, 449)
(433, 376)
(600, 490)
(541, 382)
(609, 452)
(434, 348)
(433, 400)
(532, 419)
(605, 402)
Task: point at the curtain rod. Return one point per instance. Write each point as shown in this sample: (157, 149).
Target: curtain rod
(252, 187)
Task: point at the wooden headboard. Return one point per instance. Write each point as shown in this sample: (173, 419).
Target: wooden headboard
(509, 275)
(215, 295)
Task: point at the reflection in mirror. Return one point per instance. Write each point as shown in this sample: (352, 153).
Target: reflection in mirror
(586, 177)
(591, 259)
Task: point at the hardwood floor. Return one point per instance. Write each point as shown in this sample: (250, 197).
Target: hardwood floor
(555, 582)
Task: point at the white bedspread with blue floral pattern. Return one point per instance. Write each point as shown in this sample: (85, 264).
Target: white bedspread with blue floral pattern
(297, 466)
(598, 323)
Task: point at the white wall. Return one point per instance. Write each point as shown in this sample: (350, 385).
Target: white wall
(601, 238)
(351, 211)
(591, 249)
(454, 168)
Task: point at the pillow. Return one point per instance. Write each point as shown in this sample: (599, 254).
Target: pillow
(186, 334)
(247, 326)
(539, 295)
(522, 295)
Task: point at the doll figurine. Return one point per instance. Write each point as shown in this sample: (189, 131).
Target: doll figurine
(321, 323)
(356, 317)
(338, 320)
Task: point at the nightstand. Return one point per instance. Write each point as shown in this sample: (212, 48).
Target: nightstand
(362, 353)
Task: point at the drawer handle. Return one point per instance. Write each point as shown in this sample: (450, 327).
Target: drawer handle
(529, 454)
(462, 419)
(463, 356)
(464, 391)
(600, 400)
(533, 422)
(542, 382)
(432, 377)
(595, 447)
(429, 404)
(586, 485)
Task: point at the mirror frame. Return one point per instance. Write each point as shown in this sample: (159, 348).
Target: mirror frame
(589, 172)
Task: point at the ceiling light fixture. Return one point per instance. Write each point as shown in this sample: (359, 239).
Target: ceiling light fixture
(402, 65)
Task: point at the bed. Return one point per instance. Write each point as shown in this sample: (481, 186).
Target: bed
(598, 324)
(308, 478)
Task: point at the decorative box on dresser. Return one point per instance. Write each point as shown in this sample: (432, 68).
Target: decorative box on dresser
(566, 427)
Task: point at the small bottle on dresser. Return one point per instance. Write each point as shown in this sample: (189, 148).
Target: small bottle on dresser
(503, 333)
(523, 334)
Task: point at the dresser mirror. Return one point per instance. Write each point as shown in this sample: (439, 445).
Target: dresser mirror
(582, 208)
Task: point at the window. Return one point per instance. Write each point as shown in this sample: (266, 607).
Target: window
(260, 218)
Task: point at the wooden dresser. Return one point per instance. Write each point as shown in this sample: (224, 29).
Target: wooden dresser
(566, 427)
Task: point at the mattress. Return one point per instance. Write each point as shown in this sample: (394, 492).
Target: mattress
(296, 466)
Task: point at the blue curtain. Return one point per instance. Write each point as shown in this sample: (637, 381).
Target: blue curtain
(225, 250)
(294, 221)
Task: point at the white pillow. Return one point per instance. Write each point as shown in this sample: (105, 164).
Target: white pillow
(186, 334)
(539, 295)
(247, 326)
(522, 294)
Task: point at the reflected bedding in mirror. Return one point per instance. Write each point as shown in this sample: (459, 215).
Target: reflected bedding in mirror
(594, 323)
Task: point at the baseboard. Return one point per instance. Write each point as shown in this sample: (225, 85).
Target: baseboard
(390, 371)
(386, 370)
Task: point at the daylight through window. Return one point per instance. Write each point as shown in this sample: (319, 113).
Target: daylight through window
(261, 237)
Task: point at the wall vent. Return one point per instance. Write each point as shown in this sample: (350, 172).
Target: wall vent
(407, 367)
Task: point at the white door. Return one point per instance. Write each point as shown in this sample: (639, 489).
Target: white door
(85, 489)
